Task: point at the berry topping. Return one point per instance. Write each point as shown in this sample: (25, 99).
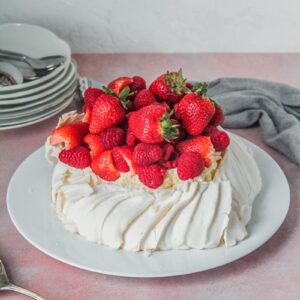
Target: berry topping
(152, 176)
(77, 157)
(94, 143)
(119, 84)
(220, 139)
(90, 96)
(218, 117)
(107, 112)
(112, 137)
(137, 84)
(190, 165)
(147, 154)
(169, 87)
(199, 144)
(142, 99)
(123, 158)
(195, 113)
(153, 124)
(70, 134)
(103, 165)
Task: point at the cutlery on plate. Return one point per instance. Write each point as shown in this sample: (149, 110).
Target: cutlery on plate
(6, 285)
(41, 66)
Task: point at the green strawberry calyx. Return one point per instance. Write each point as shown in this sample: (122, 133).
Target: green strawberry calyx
(200, 89)
(176, 81)
(123, 97)
(169, 127)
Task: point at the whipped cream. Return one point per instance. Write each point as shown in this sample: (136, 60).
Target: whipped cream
(192, 214)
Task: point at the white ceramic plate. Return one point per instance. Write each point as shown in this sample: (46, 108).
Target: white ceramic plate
(41, 113)
(36, 42)
(41, 116)
(39, 108)
(29, 206)
(42, 94)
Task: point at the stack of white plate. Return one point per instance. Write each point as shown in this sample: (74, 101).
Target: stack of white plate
(33, 101)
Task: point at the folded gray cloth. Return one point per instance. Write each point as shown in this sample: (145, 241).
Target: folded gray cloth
(274, 106)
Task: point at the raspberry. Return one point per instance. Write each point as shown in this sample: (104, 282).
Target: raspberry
(190, 165)
(77, 157)
(219, 139)
(152, 176)
(130, 138)
(146, 154)
(218, 117)
(112, 137)
(138, 84)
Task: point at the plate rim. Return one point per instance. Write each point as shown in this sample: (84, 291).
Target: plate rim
(168, 274)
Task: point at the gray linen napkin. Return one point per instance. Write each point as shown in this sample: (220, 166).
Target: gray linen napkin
(274, 106)
(246, 102)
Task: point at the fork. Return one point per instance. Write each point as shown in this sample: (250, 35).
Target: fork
(41, 66)
(6, 285)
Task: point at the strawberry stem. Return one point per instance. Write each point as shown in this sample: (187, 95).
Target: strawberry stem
(176, 81)
(123, 97)
(169, 127)
(200, 88)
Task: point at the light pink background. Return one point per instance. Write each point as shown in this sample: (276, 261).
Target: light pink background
(271, 272)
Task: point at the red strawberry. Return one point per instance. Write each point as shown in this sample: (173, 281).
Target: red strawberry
(130, 138)
(112, 137)
(103, 165)
(219, 139)
(138, 84)
(123, 158)
(77, 157)
(70, 134)
(190, 165)
(119, 84)
(146, 154)
(107, 112)
(200, 144)
(87, 114)
(94, 143)
(152, 176)
(152, 124)
(218, 117)
(169, 87)
(195, 113)
(90, 96)
(142, 99)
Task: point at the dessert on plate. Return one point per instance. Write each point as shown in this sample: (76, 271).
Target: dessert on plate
(151, 168)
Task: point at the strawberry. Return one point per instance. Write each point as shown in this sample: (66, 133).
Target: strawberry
(70, 134)
(112, 137)
(123, 158)
(199, 144)
(219, 139)
(107, 112)
(195, 113)
(90, 96)
(77, 157)
(94, 143)
(103, 165)
(87, 114)
(152, 124)
(119, 84)
(138, 84)
(218, 117)
(170, 86)
(146, 154)
(152, 176)
(142, 99)
(130, 138)
(190, 165)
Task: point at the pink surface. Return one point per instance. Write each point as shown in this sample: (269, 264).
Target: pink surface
(271, 272)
